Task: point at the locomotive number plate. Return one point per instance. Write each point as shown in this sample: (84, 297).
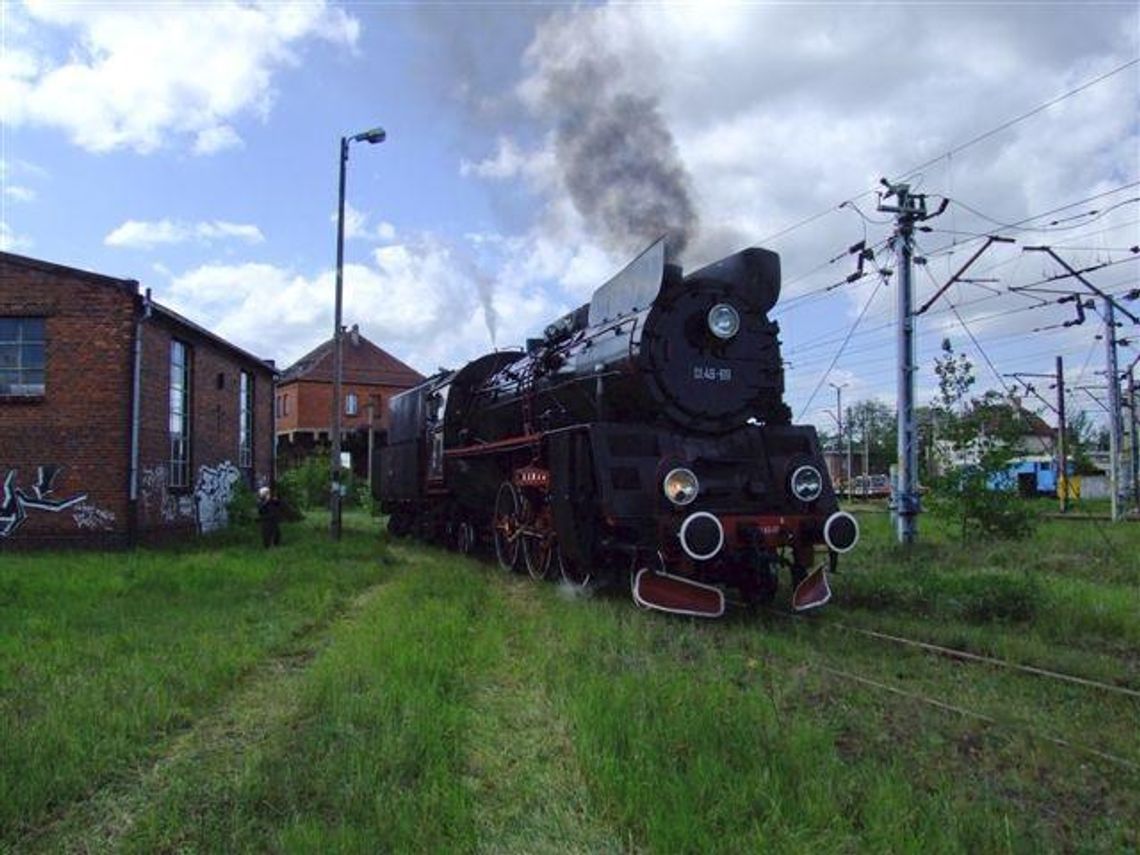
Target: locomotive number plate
(717, 375)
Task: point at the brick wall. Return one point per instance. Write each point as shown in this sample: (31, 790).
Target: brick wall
(66, 454)
(214, 427)
(79, 428)
(310, 405)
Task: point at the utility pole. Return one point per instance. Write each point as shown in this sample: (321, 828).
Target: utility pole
(1115, 431)
(866, 457)
(1059, 377)
(908, 210)
(839, 422)
(1062, 460)
(1133, 431)
(371, 405)
(849, 493)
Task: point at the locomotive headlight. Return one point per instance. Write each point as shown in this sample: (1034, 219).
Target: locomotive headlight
(724, 321)
(680, 486)
(806, 483)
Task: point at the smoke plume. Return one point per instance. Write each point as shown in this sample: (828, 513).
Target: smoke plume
(485, 288)
(616, 155)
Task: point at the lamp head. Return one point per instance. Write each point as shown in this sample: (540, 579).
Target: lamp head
(373, 136)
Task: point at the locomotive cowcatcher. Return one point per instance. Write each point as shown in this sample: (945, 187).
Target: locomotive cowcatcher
(643, 439)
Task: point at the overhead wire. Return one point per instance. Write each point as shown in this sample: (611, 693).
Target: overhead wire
(1096, 215)
(854, 198)
(839, 352)
(810, 297)
(1017, 119)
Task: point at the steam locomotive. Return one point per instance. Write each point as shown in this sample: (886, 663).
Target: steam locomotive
(643, 439)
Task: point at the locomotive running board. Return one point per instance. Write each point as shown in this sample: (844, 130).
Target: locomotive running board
(812, 592)
(676, 595)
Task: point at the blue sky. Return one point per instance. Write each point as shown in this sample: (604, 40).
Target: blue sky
(193, 146)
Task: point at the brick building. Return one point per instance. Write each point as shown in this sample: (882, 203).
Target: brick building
(120, 420)
(370, 376)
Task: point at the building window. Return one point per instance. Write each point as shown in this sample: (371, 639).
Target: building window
(179, 414)
(350, 404)
(245, 421)
(21, 356)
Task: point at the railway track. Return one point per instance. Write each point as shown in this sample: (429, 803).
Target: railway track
(942, 651)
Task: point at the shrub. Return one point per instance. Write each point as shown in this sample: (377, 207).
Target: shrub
(982, 507)
(974, 597)
(242, 506)
(306, 486)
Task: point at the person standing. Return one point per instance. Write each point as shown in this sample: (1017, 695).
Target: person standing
(269, 515)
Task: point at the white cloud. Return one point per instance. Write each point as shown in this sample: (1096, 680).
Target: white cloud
(354, 222)
(137, 75)
(137, 234)
(428, 302)
(16, 193)
(12, 242)
(357, 227)
(12, 170)
(511, 161)
(215, 139)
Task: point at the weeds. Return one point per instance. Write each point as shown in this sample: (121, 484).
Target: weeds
(454, 708)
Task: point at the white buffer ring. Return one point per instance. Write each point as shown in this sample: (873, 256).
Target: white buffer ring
(846, 542)
(689, 520)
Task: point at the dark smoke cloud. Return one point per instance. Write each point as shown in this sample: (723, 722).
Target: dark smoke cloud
(616, 153)
(622, 170)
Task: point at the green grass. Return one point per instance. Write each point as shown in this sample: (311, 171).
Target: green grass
(1068, 599)
(453, 708)
(102, 655)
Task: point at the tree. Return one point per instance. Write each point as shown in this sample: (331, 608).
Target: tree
(1081, 437)
(982, 434)
(955, 376)
(872, 425)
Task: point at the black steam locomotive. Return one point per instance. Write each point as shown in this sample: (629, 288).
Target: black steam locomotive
(643, 437)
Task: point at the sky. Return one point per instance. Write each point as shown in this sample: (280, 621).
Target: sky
(533, 149)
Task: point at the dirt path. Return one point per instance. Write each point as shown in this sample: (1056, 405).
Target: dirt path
(530, 792)
(264, 702)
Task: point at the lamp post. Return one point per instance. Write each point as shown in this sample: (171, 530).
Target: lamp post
(373, 136)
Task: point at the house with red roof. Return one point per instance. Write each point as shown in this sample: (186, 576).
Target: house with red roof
(303, 406)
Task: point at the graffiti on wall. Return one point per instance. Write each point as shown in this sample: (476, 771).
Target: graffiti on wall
(88, 517)
(213, 489)
(16, 502)
(157, 500)
(207, 504)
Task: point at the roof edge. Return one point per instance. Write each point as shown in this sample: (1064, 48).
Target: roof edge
(172, 315)
(131, 286)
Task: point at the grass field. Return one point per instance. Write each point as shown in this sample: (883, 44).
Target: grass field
(365, 697)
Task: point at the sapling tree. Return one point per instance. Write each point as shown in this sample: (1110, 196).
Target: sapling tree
(980, 436)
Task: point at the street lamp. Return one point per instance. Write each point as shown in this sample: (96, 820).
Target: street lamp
(372, 136)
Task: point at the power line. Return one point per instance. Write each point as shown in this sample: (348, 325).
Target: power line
(1052, 227)
(1017, 224)
(854, 198)
(1010, 123)
(839, 352)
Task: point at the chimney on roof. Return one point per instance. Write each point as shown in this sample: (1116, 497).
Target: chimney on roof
(354, 335)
